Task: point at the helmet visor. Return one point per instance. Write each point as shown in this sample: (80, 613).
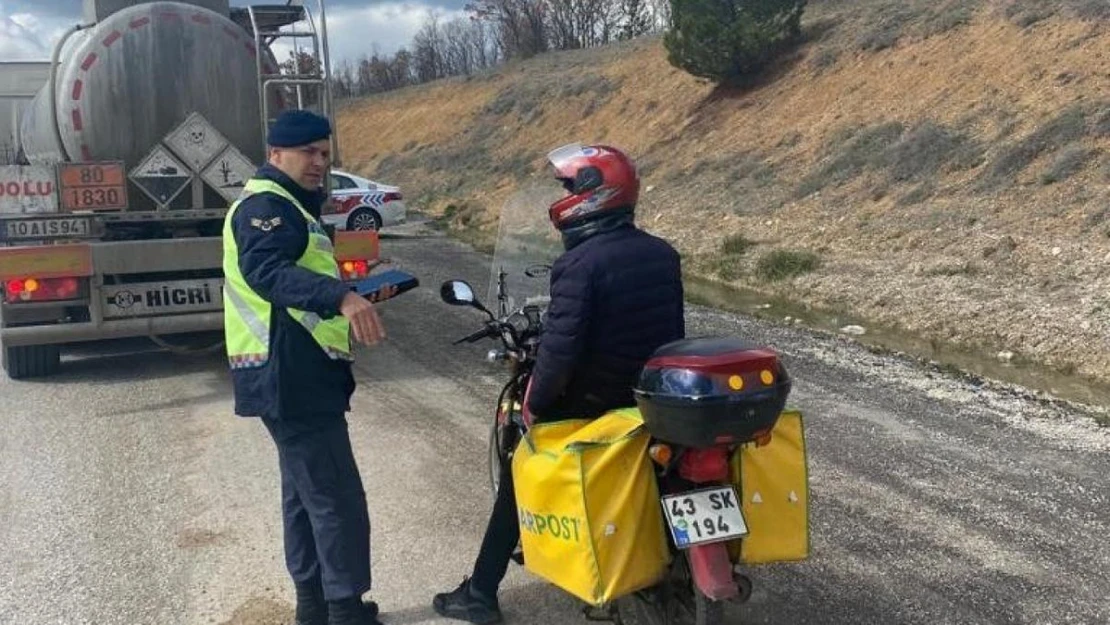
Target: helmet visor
(561, 159)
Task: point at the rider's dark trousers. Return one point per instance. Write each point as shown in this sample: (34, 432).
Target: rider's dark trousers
(502, 537)
(327, 527)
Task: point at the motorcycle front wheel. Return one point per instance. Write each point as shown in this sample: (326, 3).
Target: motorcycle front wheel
(674, 601)
(503, 437)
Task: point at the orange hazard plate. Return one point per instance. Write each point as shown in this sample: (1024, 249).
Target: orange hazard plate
(92, 186)
(360, 245)
(46, 261)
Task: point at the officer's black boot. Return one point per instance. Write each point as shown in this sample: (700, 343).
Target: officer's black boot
(352, 611)
(311, 607)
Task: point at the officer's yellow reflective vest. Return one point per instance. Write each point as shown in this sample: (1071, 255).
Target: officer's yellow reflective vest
(247, 316)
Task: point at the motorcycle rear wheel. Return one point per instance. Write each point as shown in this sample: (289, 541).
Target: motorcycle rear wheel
(674, 601)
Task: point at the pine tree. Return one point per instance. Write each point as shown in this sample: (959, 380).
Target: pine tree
(730, 41)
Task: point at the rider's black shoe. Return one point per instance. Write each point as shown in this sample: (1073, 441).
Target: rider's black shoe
(463, 605)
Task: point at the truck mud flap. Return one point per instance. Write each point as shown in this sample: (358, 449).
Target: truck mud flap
(31, 361)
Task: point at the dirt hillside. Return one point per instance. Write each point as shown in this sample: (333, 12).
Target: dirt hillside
(938, 168)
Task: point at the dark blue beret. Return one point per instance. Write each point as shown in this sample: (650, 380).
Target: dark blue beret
(298, 127)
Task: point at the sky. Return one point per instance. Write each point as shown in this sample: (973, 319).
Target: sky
(29, 28)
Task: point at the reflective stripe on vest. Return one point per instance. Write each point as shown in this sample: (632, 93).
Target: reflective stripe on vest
(247, 315)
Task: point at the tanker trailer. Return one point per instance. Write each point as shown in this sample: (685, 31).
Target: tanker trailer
(148, 126)
(126, 82)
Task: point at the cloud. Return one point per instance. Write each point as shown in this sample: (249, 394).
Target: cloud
(26, 20)
(18, 42)
(29, 36)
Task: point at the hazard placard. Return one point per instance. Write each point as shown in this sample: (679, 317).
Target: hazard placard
(229, 173)
(161, 176)
(92, 186)
(196, 141)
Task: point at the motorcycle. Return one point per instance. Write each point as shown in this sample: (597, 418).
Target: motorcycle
(701, 578)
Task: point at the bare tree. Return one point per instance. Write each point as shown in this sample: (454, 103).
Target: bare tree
(401, 69)
(595, 19)
(377, 74)
(344, 82)
(660, 11)
(500, 30)
(635, 18)
(459, 47)
(483, 40)
(563, 25)
(520, 25)
(574, 24)
(301, 64)
(458, 52)
(427, 51)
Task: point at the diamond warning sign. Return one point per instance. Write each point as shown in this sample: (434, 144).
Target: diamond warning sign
(228, 173)
(161, 176)
(196, 141)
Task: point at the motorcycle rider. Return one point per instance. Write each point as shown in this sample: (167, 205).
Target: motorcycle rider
(616, 296)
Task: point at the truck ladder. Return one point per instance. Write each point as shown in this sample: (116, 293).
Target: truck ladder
(293, 22)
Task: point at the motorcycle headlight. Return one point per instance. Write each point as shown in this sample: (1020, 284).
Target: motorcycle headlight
(519, 322)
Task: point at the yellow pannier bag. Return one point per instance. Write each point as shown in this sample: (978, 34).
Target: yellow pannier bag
(773, 484)
(590, 517)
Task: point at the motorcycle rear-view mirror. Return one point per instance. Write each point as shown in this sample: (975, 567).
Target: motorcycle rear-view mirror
(460, 293)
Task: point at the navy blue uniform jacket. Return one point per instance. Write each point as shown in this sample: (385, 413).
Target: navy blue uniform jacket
(615, 298)
(300, 386)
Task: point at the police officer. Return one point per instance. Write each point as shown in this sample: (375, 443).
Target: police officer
(288, 321)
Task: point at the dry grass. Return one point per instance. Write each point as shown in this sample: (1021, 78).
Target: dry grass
(782, 264)
(1070, 162)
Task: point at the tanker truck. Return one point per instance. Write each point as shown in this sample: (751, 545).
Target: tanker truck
(152, 117)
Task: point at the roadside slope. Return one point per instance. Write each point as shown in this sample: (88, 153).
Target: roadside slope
(945, 165)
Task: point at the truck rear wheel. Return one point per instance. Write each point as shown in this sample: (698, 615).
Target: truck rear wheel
(32, 361)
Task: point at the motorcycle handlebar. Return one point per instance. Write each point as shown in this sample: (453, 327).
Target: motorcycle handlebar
(477, 336)
(495, 329)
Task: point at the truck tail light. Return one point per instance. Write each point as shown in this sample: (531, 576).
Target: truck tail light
(355, 269)
(41, 290)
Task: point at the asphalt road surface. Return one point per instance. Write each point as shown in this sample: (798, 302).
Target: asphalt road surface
(130, 494)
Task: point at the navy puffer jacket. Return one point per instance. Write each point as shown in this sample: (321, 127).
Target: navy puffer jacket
(615, 298)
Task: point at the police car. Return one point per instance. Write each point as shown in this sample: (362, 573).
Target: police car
(361, 204)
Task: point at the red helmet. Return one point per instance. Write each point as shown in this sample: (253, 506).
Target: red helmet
(599, 179)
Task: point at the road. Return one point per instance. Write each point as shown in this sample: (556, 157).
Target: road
(130, 494)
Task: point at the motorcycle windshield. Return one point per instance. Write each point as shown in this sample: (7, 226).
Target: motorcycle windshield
(527, 244)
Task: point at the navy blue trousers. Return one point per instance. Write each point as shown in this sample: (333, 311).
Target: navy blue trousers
(327, 527)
